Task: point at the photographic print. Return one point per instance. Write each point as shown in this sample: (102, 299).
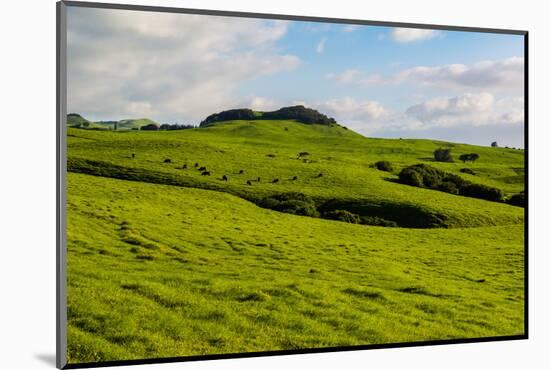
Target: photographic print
(251, 185)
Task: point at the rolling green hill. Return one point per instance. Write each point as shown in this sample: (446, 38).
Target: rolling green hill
(75, 120)
(165, 261)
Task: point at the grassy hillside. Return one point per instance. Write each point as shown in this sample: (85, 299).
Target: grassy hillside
(77, 121)
(157, 271)
(269, 150)
(174, 263)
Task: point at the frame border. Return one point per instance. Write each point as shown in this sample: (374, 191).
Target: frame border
(61, 188)
(61, 169)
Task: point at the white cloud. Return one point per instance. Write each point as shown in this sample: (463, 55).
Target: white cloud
(321, 45)
(166, 66)
(350, 108)
(404, 35)
(502, 74)
(467, 109)
(493, 75)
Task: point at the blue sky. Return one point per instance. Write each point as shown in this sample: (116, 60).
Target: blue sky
(380, 81)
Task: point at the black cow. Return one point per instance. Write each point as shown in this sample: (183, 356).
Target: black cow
(241, 172)
(205, 173)
(203, 168)
(184, 166)
(133, 155)
(167, 160)
(295, 178)
(224, 178)
(275, 181)
(248, 182)
(320, 175)
(258, 179)
(196, 165)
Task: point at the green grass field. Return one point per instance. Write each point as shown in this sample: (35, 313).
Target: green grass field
(165, 262)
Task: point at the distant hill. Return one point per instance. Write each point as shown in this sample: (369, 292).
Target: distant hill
(298, 113)
(77, 121)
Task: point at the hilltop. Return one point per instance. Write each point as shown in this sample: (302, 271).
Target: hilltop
(75, 120)
(298, 113)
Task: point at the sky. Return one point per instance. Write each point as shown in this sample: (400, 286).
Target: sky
(379, 81)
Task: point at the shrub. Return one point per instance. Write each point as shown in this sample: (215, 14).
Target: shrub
(468, 171)
(448, 187)
(443, 155)
(482, 192)
(384, 166)
(517, 199)
(150, 127)
(472, 157)
(377, 221)
(425, 176)
(294, 203)
(341, 215)
(421, 175)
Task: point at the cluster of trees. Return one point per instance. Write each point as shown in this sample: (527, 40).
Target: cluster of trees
(294, 203)
(301, 204)
(472, 157)
(444, 155)
(298, 113)
(424, 176)
(165, 127)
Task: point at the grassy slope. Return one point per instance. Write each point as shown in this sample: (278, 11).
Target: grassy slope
(342, 156)
(126, 124)
(156, 271)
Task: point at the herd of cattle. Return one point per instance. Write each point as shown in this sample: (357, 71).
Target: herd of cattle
(205, 172)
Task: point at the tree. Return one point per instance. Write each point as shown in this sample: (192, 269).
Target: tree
(494, 144)
(443, 155)
(468, 157)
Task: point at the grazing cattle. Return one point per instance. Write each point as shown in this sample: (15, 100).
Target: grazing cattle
(248, 182)
(275, 181)
(224, 178)
(258, 179)
(203, 168)
(196, 165)
(295, 178)
(205, 173)
(133, 155)
(184, 166)
(320, 175)
(167, 160)
(241, 172)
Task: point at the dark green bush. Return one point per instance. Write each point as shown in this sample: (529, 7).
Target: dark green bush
(517, 199)
(377, 221)
(422, 175)
(341, 215)
(294, 203)
(443, 155)
(384, 166)
(448, 187)
(482, 192)
(472, 157)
